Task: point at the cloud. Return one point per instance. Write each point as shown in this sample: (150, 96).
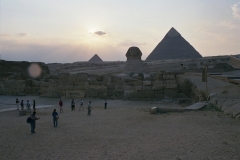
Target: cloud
(100, 33)
(4, 35)
(22, 34)
(236, 10)
(129, 43)
(231, 25)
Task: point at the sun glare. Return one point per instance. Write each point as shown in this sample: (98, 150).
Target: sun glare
(91, 31)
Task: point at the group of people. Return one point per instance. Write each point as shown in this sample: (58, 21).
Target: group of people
(28, 105)
(54, 113)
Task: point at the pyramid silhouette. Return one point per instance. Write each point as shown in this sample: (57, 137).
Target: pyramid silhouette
(95, 58)
(173, 46)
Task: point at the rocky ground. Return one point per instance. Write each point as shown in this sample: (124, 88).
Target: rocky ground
(125, 130)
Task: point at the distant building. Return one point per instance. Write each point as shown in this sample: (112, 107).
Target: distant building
(95, 58)
(173, 46)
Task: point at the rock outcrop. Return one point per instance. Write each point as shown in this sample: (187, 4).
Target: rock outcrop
(173, 46)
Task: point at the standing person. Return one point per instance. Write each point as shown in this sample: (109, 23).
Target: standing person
(105, 104)
(33, 122)
(89, 108)
(81, 105)
(34, 105)
(61, 104)
(28, 106)
(17, 103)
(73, 104)
(22, 105)
(55, 118)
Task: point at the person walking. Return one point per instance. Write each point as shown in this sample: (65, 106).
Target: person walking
(105, 104)
(34, 105)
(28, 106)
(17, 103)
(22, 105)
(33, 122)
(73, 105)
(81, 105)
(55, 118)
(89, 108)
(61, 104)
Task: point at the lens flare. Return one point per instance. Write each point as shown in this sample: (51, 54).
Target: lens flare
(34, 70)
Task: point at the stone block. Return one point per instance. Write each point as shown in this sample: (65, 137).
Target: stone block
(127, 88)
(137, 83)
(80, 87)
(119, 87)
(80, 83)
(44, 84)
(148, 94)
(153, 110)
(158, 77)
(159, 96)
(172, 93)
(76, 94)
(137, 88)
(171, 84)
(81, 77)
(69, 87)
(109, 86)
(92, 93)
(146, 88)
(147, 83)
(119, 94)
(63, 77)
(168, 77)
(119, 82)
(110, 92)
(158, 87)
(127, 93)
(95, 85)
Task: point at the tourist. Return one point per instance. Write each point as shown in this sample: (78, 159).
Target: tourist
(17, 103)
(73, 104)
(81, 105)
(61, 104)
(33, 122)
(28, 106)
(105, 104)
(89, 108)
(22, 105)
(34, 105)
(55, 118)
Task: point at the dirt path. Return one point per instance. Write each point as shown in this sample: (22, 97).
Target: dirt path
(121, 132)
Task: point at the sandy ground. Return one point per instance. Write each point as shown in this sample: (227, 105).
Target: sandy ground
(125, 130)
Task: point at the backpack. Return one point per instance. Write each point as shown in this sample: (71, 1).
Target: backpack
(29, 120)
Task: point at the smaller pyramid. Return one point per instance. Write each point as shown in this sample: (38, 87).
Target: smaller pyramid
(95, 58)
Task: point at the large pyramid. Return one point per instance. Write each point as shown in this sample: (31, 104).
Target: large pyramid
(173, 46)
(95, 58)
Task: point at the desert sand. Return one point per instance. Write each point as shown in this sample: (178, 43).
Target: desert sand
(125, 130)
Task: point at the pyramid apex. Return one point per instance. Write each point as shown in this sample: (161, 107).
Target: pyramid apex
(173, 33)
(95, 58)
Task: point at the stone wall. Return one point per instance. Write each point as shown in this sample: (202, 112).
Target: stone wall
(15, 79)
(139, 86)
(190, 89)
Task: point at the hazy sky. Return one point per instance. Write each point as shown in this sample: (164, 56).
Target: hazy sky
(66, 31)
